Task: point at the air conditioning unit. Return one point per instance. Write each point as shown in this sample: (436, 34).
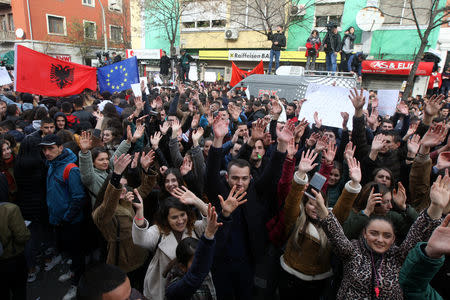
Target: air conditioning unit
(298, 10)
(231, 34)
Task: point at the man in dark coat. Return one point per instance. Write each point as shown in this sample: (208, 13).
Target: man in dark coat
(185, 65)
(242, 241)
(332, 45)
(278, 42)
(164, 64)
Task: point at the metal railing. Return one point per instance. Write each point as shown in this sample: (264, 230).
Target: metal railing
(6, 36)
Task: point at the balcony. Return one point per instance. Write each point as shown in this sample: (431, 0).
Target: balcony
(6, 36)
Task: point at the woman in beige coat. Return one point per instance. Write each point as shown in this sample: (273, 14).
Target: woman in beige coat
(175, 220)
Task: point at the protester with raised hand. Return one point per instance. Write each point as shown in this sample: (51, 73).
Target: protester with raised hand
(189, 275)
(372, 263)
(248, 236)
(175, 221)
(306, 263)
(113, 214)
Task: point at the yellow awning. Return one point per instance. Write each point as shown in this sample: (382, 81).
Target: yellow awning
(287, 56)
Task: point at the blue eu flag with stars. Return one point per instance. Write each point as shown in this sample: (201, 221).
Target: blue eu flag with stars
(118, 76)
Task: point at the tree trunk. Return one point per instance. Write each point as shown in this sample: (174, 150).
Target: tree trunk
(417, 59)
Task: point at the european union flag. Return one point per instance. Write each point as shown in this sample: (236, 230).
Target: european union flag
(118, 76)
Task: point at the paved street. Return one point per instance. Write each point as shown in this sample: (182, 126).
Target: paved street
(47, 286)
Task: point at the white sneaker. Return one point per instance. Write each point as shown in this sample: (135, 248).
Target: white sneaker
(66, 276)
(51, 264)
(71, 293)
(32, 275)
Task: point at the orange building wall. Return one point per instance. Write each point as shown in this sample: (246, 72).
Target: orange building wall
(74, 11)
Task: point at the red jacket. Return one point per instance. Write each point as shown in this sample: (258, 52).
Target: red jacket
(433, 78)
(309, 46)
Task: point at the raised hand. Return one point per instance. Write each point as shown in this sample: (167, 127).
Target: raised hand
(300, 130)
(307, 162)
(195, 121)
(402, 108)
(321, 144)
(186, 166)
(434, 136)
(439, 242)
(163, 169)
(258, 129)
(378, 142)
(287, 133)
(134, 162)
(374, 199)
(276, 109)
(330, 152)
(147, 160)
(443, 160)
(164, 127)
(292, 149)
(411, 130)
(211, 222)
(154, 140)
(319, 204)
(372, 120)
(196, 135)
(317, 121)
(138, 133)
(121, 163)
(439, 195)
(345, 116)
(312, 140)
(234, 200)
(399, 196)
(220, 127)
(139, 218)
(354, 170)
(176, 126)
(185, 196)
(349, 151)
(139, 103)
(413, 145)
(358, 101)
(433, 105)
(98, 115)
(85, 141)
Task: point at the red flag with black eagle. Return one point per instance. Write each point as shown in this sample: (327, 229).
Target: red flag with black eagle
(237, 74)
(37, 73)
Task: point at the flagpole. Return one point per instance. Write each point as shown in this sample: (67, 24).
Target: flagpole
(104, 26)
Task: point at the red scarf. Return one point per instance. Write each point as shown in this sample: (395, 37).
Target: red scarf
(9, 165)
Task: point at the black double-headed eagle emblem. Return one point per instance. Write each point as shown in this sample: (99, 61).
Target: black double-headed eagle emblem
(61, 75)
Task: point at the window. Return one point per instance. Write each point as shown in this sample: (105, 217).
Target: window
(11, 22)
(398, 12)
(56, 25)
(88, 2)
(115, 5)
(329, 13)
(188, 24)
(90, 30)
(115, 33)
(218, 23)
(3, 23)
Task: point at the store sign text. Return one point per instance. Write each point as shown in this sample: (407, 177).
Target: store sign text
(248, 55)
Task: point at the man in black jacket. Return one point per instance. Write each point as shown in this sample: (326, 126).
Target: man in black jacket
(243, 238)
(164, 64)
(332, 45)
(278, 41)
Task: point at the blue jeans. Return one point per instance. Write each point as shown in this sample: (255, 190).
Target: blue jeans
(277, 59)
(331, 62)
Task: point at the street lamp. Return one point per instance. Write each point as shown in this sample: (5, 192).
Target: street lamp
(104, 26)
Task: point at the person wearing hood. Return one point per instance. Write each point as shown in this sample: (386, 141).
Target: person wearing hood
(65, 197)
(347, 48)
(60, 122)
(13, 236)
(312, 49)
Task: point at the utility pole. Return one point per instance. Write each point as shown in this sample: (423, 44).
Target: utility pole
(104, 26)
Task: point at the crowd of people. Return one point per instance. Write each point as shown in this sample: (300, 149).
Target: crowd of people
(196, 192)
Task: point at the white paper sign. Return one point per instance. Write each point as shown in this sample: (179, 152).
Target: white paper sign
(210, 76)
(4, 77)
(146, 84)
(387, 102)
(329, 102)
(157, 79)
(136, 87)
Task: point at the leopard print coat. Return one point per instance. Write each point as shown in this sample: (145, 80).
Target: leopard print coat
(358, 282)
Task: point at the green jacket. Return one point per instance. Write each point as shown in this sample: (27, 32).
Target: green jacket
(13, 232)
(91, 177)
(417, 272)
(402, 222)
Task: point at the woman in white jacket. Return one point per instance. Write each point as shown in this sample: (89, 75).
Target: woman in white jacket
(175, 220)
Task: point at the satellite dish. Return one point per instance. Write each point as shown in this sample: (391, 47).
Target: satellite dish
(370, 18)
(19, 33)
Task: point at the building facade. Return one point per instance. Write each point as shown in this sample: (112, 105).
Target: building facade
(204, 26)
(72, 30)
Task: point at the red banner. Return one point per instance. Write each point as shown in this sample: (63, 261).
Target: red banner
(237, 75)
(37, 73)
(395, 67)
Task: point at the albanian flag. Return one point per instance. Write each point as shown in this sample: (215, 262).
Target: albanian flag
(237, 74)
(37, 73)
